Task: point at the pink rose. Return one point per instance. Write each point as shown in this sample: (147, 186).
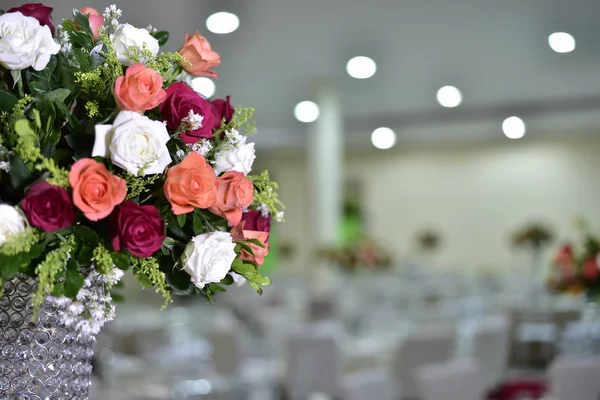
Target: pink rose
(239, 234)
(96, 20)
(140, 89)
(200, 56)
(234, 192)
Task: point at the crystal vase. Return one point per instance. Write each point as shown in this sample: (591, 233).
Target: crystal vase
(41, 357)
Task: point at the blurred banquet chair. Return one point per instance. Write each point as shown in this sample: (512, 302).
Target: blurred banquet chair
(371, 384)
(226, 350)
(575, 378)
(418, 349)
(455, 380)
(313, 364)
(491, 341)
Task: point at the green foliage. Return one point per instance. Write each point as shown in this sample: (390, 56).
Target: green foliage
(162, 37)
(148, 273)
(250, 272)
(21, 242)
(265, 192)
(47, 271)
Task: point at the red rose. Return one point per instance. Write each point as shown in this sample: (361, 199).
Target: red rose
(222, 108)
(181, 99)
(48, 207)
(138, 229)
(254, 221)
(38, 11)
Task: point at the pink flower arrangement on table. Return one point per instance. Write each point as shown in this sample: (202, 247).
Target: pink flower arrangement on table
(110, 161)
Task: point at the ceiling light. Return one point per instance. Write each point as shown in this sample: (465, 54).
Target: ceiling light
(361, 67)
(204, 86)
(306, 111)
(222, 22)
(383, 138)
(561, 42)
(513, 128)
(449, 96)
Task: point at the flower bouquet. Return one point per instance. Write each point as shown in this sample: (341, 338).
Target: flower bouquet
(362, 253)
(110, 162)
(575, 268)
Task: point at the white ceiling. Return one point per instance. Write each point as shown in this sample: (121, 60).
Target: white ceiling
(495, 51)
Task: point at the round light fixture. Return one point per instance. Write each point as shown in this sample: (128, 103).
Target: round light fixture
(204, 86)
(561, 42)
(513, 128)
(222, 22)
(306, 111)
(361, 67)
(449, 96)
(383, 138)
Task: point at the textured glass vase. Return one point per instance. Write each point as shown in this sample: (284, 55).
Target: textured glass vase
(40, 358)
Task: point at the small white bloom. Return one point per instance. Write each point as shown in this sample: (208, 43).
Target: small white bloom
(234, 137)
(134, 142)
(236, 158)
(12, 222)
(194, 120)
(25, 43)
(112, 12)
(180, 153)
(5, 166)
(208, 257)
(264, 210)
(202, 147)
(75, 308)
(129, 40)
(238, 280)
(114, 276)
(151, 29)
(279, 216)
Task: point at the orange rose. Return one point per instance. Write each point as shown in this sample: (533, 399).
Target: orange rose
(234, 192)
(96, 20)
(191, 184)
(196, 50)
(239, 234)
(140, 89)
(96, 191)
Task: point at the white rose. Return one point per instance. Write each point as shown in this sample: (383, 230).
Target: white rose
(25, 43)
(129, 40)
(208, 257)
(236, 158)
(11, 221)
(134, 142)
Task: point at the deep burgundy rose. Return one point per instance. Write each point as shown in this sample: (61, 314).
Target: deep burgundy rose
(38, 11)
(138, 229)
(222, 108)
(180, 100)
(48, 207)
(254, 221)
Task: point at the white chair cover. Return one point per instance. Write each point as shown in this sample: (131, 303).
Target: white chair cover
(456, 380)
(375, 384)
(418, 349)
(575, 379)
(313, 364)
(490, 349)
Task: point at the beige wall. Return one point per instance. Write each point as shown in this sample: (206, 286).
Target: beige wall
(474, 195)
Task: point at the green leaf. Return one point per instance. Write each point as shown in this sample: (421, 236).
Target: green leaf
(228, 280)
(81, 56)
(181, 218)
(87, 234)
(256, 287)
(7, 101)
(246, 247)
(58, 290)
(73, 283)
(121, 260)
(164, 250)
(179, 281)
(255, 242)
(25, 129)
(11, 265)
(169, 242)
(19, 174)
(85, 255)
(83, 21)
(261, 280)
(162, 37)
(72, 265)
(237, 263)
(54, 136)
(144, 280)
(216, 288)
(117, 297)
(36, 118)
(244, 269)
(198, 225)
(81, 143)
(57, 95)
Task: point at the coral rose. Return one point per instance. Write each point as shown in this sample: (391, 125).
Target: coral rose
(140, 89)
(96, 191)
(191, 184)
(197, 51)
(96, 20)
(258, 253)
(234, 192)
